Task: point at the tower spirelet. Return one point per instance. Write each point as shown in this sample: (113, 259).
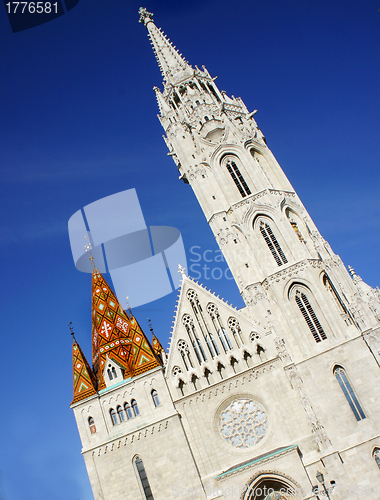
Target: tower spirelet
(172, 65)
(72, 332)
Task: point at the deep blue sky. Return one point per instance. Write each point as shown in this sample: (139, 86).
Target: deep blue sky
(78, 122)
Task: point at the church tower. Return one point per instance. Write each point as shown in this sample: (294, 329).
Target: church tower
(259, 222)
(278, 400)
(302, 305)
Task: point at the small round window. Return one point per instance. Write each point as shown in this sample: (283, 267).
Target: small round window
(243, 423)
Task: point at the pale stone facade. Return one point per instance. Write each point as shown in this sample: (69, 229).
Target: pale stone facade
(265, 397)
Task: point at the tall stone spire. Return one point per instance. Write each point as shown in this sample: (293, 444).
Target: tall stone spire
(172, 65)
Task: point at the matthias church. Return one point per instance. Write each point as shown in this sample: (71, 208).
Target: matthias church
(276, 400)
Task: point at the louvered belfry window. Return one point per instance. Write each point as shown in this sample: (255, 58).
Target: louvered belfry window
(310, 316)
(238, 179)
(273, 245)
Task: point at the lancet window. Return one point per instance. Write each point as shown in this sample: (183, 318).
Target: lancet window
(376, 456)
(143, 478)
(114, 418)
(111, 372)
(349, 392)
(121, 413)
(155, 398)
(185, 354)
(293, 222)
(135, 408)
(128, 410)
(202, 323)
(220, 330)
(310, 317)
(237, 177)
(234, 326)
(337, 299)
(91, 424)
(197, 346)
(273, 244)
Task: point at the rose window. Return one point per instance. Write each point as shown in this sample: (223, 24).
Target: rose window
(243, 423)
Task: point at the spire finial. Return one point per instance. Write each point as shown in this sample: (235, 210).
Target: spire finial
(145, 16)
(72, 331)
(88, 248)
(128, 306)
(351, 270)
(182, 270)
(150, 326)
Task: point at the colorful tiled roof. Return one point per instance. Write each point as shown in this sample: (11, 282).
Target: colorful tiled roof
(157, 347)
(116, 334)
(84, 380)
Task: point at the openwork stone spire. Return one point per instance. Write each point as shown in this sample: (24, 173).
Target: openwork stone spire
(172, 65)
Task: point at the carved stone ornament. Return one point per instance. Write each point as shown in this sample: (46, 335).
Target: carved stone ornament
(282, 350)
(320, 436)
(226, 235)
(197, 171)
(256, 293)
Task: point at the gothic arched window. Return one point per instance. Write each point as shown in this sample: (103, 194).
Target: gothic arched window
(309, 316)
(337, 299)
(121, 413)
(128, 411)
(114, 417)
(190, 328)
(218, 326)
(376, 456)
(238, 179)
(202, 325)
(349, 392)
(91, 424)
(135, 408)
(143, 478)
(273, 245)
(155, 398)
(233, 323)
(293, 220)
